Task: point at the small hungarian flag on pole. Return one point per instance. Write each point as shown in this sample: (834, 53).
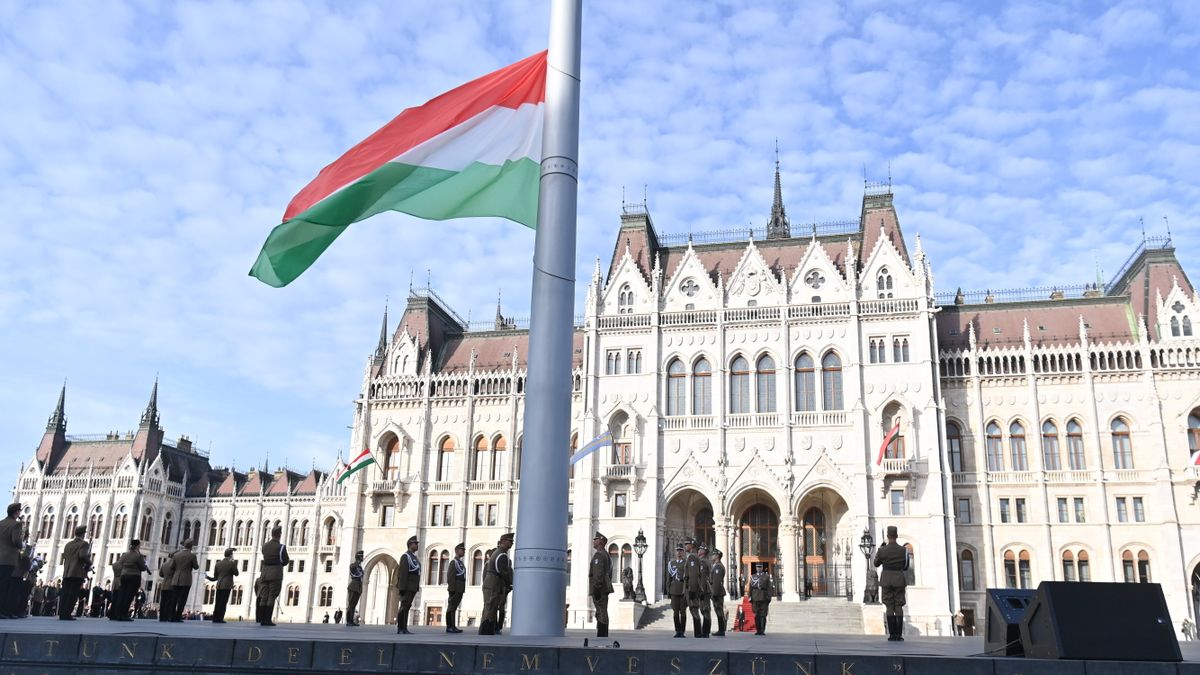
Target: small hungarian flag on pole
(887, 440)
(473, 151)
(363, 460)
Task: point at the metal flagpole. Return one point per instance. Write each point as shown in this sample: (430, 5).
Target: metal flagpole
(540, 560)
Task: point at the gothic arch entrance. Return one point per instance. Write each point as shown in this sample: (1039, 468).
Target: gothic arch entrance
(756, 539)
(379, 600)
(1195, 590)
(826, 544)
(689, 514)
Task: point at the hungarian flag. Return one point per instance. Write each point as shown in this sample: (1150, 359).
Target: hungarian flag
(473, 151)
(363, 460)
(1195, 458)
(887, 441)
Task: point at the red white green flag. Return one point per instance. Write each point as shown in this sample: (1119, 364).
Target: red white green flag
(473, 151)
(363, 460)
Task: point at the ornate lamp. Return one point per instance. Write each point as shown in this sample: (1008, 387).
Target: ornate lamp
(639, 547)
(866, 544)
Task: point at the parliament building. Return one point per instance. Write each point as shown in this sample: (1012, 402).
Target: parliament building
(750, 379)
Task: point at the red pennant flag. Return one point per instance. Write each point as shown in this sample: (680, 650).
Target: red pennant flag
(887, 440)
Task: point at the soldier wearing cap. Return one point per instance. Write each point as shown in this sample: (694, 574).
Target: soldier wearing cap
(762, 589)
(677, 589)
(11, 541)
(456, 585)
(270, 575)
(716, 588)
(223, 573)
(705, 589)
(131, 565)
(408, 582)
(77, 560)
(354, 589)
(600, 583)
(893, 558)
(497, 582)
(696, 583)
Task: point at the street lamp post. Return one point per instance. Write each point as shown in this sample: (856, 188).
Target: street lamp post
(867, 545)
(639, 547)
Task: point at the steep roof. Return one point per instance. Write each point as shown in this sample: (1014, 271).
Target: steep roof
(1051, 322)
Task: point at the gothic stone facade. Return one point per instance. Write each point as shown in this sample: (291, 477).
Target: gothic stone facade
(749, 386)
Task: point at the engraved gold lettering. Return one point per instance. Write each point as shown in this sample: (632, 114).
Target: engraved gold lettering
(166, 651)
(87, 647)
(344, 659)
(898, 666)
(487, 661)
(253, 654)
(128, 651)
(591, 663)
(447, 658)
(758, 666)
(803, 668)
(716, 666)
(676, 667)
(632, 665)
(293, 655)
(381, 663)
(50, 645)
(847, 668)
(531, 664)
(16, 649)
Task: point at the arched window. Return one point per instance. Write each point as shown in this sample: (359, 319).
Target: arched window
(517, 455)
(874, 350)
(626, 559)
(433, 569)
(477, 568)
(1068, 567)
(445, 462)
(1122, 447)
(739, 386)
(1075, 458)
(210, 594)
(293, 595)
(304, 534)
(235, 598)
(570, 452)
(330, 532)
(1050, 446)
(1136, 569)
(806, 383)
(883, 283)
(1187, 326)
(96, 523)
(70, 522)
(392, 459)
(1174, 326)
(831, 381)
(910, 574)
(614, 556)
(622, 432)
(676, 388)
(212, 533)
(147, 525)
(1016, 444)
(326, 596)
(702, 388)
(995, 450)
(1010, 569)
(1023, 569)
(625, 300)
(237, 533)
(764, 384)
(1194, 431)
(895, 447)
(954, 446)
(966, 570)
(294, 533)
(499, 458)
(1085, 570)
(443, 567)
(168, 529)
(480, 459)
(703, 530)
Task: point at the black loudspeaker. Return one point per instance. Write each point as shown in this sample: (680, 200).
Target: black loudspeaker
(1002, 627)
(1099, 621)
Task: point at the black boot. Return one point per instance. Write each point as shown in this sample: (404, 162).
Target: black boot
(720, 626)
(762, 625)
(893, 634)
(601, 630)
(707, 626)
(899, 628)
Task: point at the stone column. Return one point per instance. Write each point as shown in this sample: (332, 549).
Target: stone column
(789, 543)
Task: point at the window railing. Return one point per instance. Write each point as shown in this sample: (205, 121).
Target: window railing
(752, 314)
(897, 465)
(904, 306)
(752, 420)
(704, 317)
(1013, 477)
(443, 486)
(619, 471)
(963, 478)
(1127, 475)
(819, 418)
(487, 485)
(821, 310)
(678, 422)
(625, 321)
(1066, 476)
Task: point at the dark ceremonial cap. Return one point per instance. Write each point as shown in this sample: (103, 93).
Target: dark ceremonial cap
(600, 536)
(358, 553)
(690, 540)
(508, 535)
(135, 543)
(460, 546)
(703, 547)
(412, 539)
(717, 553)
(892, 531)
(678, 547)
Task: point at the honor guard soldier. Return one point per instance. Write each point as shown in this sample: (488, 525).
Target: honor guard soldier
(11, 541)
(695, 585)
(76, 560)
(166, 588)
(677, 589)
(762, 589)
(716, 589)
(185, 563)
(705, 589)
(131, 563)
(497, 582)
(600, 582)
(223, 573)
(354, 589)
(893, 558)
(456, 585)
(270, 576)
(408, 582)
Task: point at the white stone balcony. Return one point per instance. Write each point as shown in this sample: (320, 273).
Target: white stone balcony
(1127, 475)
(682, 422)
(898, 465)
(487, 485)
(1075, 477)
(964, 478)
(819, 418)
(752, 420)
(1013, 477)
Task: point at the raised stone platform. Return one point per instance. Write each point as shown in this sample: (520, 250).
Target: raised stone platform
(43, 645)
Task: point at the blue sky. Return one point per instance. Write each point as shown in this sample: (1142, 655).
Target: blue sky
(146, 149)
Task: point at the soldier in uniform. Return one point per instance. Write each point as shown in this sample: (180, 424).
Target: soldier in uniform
(677, 589)
(762, 589)
(696, 583)
(166, 594)
(11, 541)
(270, 576)
(223, 573)
(185, 563)
(132, 563)
(76, 560)
(716, 589)
(705, 590)
(600, 582)
(354, 589)
(497, 582)
(456, 585)
(893, 558)
(408, 582)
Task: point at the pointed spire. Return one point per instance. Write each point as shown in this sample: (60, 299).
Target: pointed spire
(381, 348)
(58, 419)
(150, 415)
(778, 226)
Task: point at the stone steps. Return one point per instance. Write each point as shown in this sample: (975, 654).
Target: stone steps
(817, 615)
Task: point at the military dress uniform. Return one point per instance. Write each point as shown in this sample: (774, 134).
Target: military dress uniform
(497, 582)
(185, 564)
(408, 582)
(456, 585)
(132, 564)
(354, 590)
(600, 584)
(11, 542)
(270, 578)
(762, 590)
(893, 558)
(696, 584)
(76, 559)
(166, 589)
(705, 592)
(224, 572)
(716, 589)
(677, 589)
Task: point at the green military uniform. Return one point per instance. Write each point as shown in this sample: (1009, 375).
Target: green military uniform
(408, 582)
(716, 589)
(893, 558)
(354, 589)
(270, 576)
(762, 590)
(497, 582)
(456, 585)
(677, 589)
(600, 583)
(132, 563)
(705, 591)
(76, 560)
(11, 541)
(224, 572)
(697, 584)
(166, 589)
(185, 563)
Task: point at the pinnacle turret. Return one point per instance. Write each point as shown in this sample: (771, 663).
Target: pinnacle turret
(778, 227)
(58, 419)
(150, 415)
(381, 348)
